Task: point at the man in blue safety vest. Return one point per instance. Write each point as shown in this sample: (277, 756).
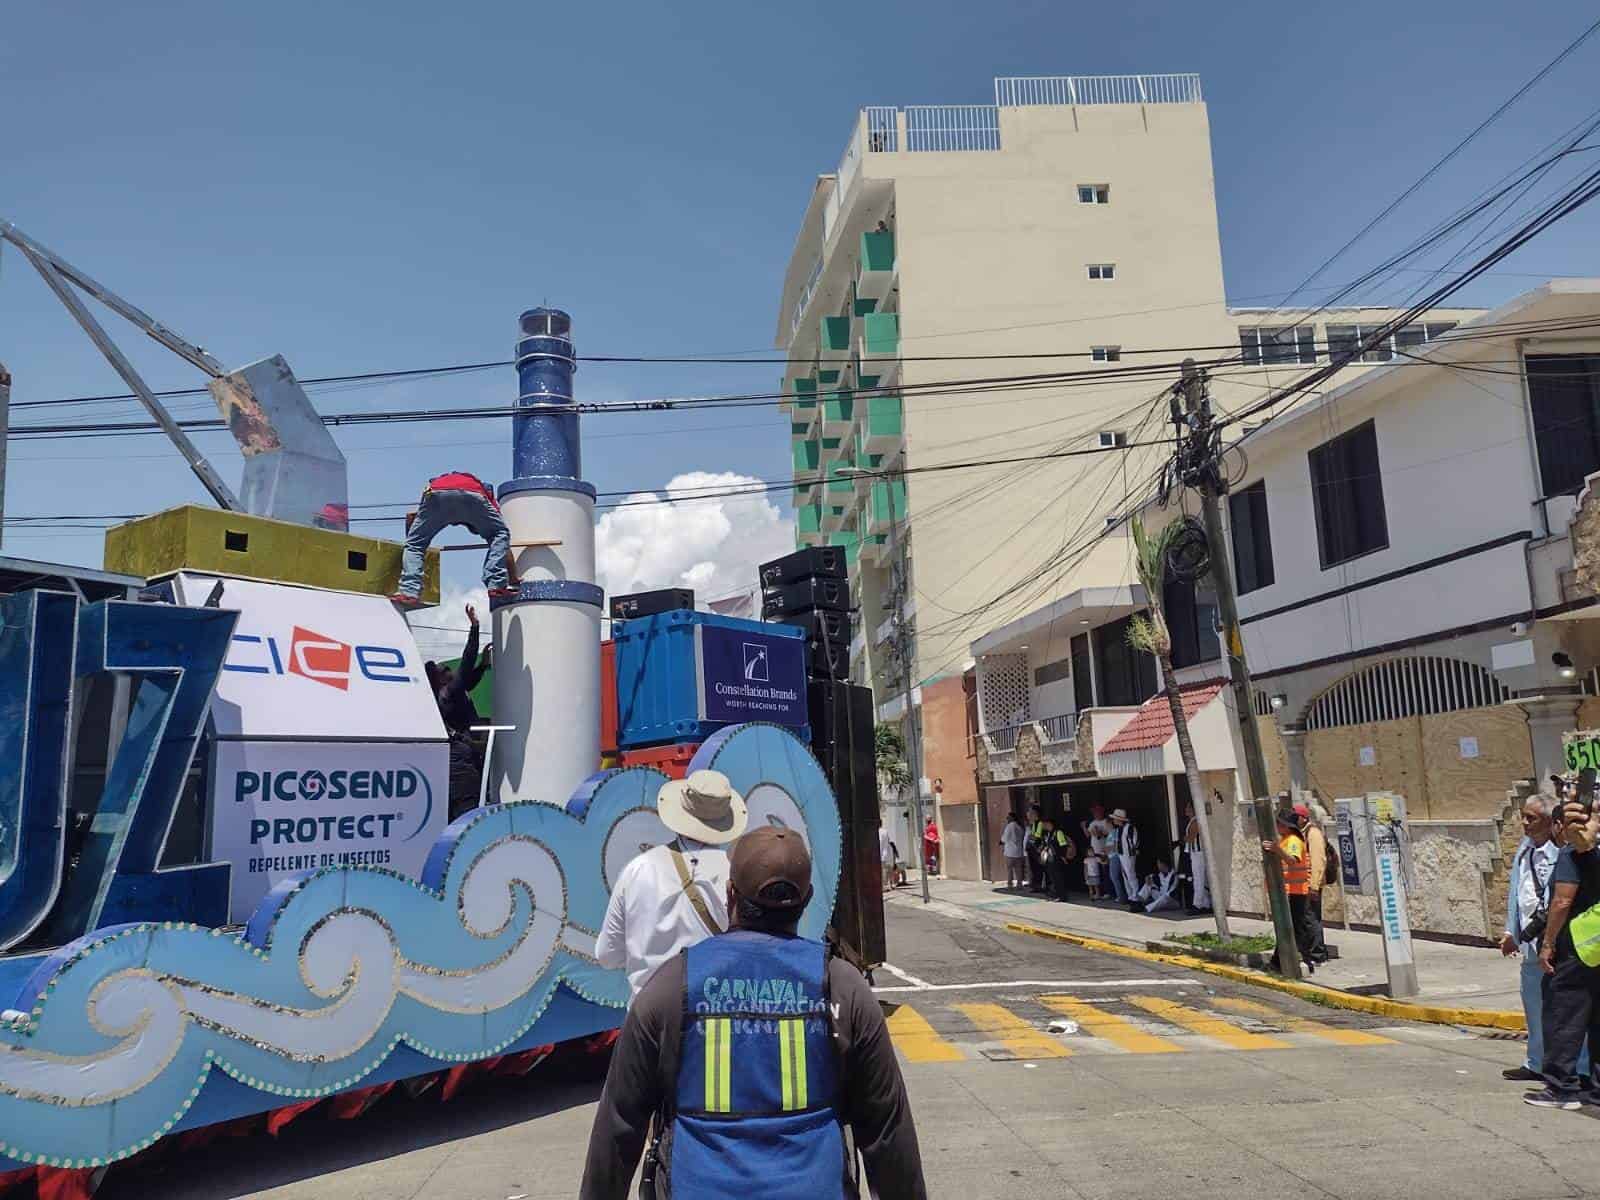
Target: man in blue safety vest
(753, 1052)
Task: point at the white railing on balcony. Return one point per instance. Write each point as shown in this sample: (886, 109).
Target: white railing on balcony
(1016, 91)
(883, 130)
(805, 297)
(952, 127)
(1063, 728)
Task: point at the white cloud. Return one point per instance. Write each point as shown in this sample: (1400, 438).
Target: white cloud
(713, 545)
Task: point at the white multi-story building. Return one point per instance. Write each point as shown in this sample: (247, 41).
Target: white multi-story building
(1415, 554)
(1005, 281)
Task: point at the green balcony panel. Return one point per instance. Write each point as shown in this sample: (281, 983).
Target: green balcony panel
(885, 423)
(808, 518)
(849, 541)
(797, 430)
(877, 251)
(835, 334)
(880, 335)
(863, 305)
(838, 412)
(807, 455)
(888, 502)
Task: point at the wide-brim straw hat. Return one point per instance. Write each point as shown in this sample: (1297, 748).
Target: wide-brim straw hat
(704, 807)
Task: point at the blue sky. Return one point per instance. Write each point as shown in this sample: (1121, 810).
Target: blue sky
(369, 187)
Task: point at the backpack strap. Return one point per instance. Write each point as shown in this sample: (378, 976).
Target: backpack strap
(695, 898)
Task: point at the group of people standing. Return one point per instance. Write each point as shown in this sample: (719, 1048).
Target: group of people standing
(1553, 924)
(1040, 854)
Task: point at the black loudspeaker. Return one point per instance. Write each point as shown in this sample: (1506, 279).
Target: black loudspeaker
(648, 604)
(822, 625)
(842, 735)
(792, 599)
(828, 660)
(822, 561)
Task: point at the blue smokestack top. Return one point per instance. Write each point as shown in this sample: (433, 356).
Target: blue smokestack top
(544, 443)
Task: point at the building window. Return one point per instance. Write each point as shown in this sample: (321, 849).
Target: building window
(1564, 393)
(1252, 538)
(1094, 193)
(1052, 672)
(1106, 353)
(1347, 495)
(1278, 343)
(1102, 270)
(1110, 439)
(1191, 612)
(1344, 339)
(1082, 679)
(1126, 676)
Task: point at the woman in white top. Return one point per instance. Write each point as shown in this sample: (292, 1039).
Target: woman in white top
(1013, 844)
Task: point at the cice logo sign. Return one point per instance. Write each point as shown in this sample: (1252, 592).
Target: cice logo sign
(316, 657)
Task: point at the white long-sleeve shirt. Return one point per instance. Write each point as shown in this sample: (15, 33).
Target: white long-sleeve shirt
(650, 917)
(1012, 839)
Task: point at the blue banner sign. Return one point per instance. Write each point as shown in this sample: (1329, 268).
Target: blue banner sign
(749, 676)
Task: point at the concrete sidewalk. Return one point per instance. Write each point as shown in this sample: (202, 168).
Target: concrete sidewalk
(1450, 975)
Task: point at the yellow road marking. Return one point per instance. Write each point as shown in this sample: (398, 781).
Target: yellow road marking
(916, 1039)
(1344, 1037)
(1211, 1026)
(1119, 1031)
(1011, 1031)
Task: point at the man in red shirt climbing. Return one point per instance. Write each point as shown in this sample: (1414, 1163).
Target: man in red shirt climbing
(456, 498)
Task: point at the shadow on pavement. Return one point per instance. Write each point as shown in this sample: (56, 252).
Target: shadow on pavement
(1080, 900)
(314, 1145)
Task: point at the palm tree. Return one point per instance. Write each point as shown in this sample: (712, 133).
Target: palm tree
(1149, 632)
(889, 754)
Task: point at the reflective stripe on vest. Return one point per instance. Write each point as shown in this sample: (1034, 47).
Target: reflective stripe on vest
(1296, 875)
(719, 1065)
(792, 1057)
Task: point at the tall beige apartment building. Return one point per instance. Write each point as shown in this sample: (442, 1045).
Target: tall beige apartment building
(1008, 282)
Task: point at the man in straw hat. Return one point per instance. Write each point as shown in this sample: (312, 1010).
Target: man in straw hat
(673, 896)
(749, 1053)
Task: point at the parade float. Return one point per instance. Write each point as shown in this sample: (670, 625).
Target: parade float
(227, 884)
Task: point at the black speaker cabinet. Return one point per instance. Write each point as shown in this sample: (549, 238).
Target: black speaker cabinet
(842, 722)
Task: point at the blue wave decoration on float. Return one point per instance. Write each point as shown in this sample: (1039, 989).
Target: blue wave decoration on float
(339, 966)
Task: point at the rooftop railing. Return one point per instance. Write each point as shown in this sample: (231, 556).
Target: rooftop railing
(1016, 91)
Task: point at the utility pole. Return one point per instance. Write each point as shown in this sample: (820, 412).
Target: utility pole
(898, 572)
(5, 426)
(898, 576)
(1198, 467)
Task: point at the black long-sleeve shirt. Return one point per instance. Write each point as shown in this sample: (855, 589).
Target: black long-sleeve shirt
(644, 1067)
(455, 704)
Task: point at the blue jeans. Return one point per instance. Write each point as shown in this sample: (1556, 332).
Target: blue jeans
(1533, 1010)
(1119, 886)
(439, 510)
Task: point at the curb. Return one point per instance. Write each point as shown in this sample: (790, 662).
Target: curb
(1480, 1018)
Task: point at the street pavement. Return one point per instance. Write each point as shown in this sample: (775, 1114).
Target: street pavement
(1035, 1069)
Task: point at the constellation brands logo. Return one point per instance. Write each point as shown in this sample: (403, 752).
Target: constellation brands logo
(317, 657)
(755, 663)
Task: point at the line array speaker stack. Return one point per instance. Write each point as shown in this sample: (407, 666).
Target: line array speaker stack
(811, 588)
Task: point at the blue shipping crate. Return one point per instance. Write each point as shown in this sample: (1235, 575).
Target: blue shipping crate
(683, 675)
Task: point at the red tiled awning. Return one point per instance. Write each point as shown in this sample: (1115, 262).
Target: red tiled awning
(1151, 726)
